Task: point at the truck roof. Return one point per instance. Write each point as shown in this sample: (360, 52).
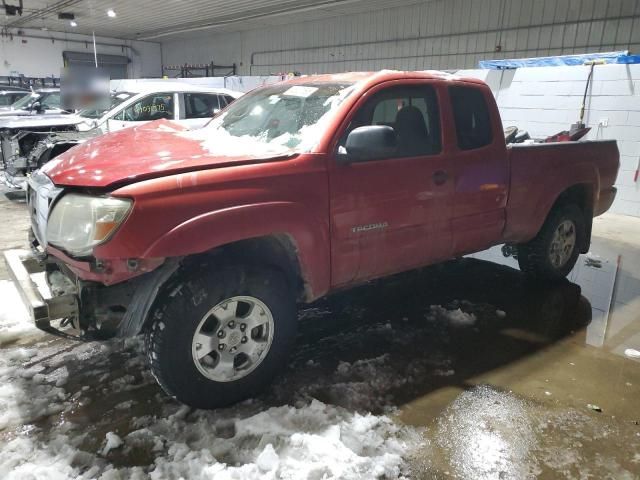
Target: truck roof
(173, 86)
(382, 76)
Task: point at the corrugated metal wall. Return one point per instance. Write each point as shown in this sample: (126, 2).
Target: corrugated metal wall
(439, 34)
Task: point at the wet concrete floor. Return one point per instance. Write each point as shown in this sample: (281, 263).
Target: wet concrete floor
(535, 381)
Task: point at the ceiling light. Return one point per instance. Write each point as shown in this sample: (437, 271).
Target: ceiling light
(73, 23)
(111, 13)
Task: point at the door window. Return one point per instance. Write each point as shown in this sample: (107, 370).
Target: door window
(471, 114)
(151, 107)
(412, 111)
(200, 105)
(7, 99)
(50, 101)
(226, 100)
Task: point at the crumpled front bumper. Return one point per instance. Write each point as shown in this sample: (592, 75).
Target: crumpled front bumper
(21, 265)
(84, 308)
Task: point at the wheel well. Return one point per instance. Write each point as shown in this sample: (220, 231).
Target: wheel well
(278, 251)
(580, 195)
(60, 148)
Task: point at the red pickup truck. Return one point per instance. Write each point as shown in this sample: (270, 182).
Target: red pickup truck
(205, 240)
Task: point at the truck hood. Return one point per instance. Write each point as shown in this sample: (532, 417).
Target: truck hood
(151, 150)
(39, 121)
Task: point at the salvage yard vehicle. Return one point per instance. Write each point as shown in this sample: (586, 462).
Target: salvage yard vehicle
(29, 142)
(44, 101)
(9, 95)
(205, 240)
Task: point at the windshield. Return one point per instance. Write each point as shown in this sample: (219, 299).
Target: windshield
(25, 101)
(276, 119)
(104, 105)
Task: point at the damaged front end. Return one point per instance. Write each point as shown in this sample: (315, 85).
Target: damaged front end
(24, 151)
(65, 305)
(83, 298)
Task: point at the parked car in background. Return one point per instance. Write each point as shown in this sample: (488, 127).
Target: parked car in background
(205, 240)
(29, 142)
(38, 102)
(9, 95)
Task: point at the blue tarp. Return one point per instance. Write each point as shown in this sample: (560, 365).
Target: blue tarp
(629, 59)
(559, 61)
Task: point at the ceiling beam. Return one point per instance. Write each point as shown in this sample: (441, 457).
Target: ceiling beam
(42, 12)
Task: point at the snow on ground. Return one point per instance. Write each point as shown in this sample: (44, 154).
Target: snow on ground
(92, 410)
(13, 315)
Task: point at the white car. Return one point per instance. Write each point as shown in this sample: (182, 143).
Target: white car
(44, 101)
(190, 105)
(27, 142)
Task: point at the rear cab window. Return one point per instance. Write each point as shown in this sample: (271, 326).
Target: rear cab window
(472, 118)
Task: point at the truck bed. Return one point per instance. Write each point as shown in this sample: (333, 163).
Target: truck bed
(541, 172)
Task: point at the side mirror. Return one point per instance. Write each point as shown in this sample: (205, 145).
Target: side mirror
(37, 107)
(369, 143)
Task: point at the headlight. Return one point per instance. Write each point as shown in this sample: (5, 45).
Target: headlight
(80, 222)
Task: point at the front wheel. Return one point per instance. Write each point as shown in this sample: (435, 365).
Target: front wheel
(553, 253)
(222, 336)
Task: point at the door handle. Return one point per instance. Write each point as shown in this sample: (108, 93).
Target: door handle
(440, 177)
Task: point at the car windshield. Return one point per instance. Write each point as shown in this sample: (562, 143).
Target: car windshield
(102, 106)
(25, 101)
(277, 119)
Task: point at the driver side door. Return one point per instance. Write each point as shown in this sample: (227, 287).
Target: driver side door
(147, 109)
(392, 213)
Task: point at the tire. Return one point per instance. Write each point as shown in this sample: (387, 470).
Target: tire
(209, 303)
(540, 258)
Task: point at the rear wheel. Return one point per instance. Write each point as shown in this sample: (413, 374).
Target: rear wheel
(553, 253)
(222, 336)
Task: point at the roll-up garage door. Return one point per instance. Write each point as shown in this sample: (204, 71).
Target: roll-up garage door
(114, 65)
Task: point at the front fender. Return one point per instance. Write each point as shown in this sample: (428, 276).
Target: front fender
(213, 229)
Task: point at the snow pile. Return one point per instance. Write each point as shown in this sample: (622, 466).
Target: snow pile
(14, 318)
(219, 142)
(113, 442)
(24, 395)
(310, 441)
(23, 458)
(455, 317)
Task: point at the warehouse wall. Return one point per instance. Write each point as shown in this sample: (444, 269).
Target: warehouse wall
(440, 34)
(547, 100)
(41, 57)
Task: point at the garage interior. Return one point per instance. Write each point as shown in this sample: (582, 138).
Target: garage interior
(462, 369)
